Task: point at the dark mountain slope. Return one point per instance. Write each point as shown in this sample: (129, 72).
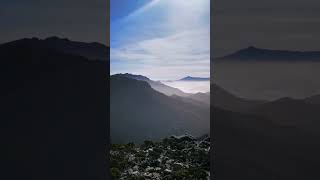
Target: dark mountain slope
(138, 112)
(225, 100)
(291, 113)
(201, 97)
(190, 100)
(253, 147)
(52, 111)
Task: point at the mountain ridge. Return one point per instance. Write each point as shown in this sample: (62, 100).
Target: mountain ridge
(91, 51)
(157, 85)
(150, 113)
(253, 53)
(191, 78)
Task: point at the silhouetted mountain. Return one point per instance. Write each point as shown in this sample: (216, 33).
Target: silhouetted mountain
(291, 113)
(52, 111)
(263, 141)
(252, 147)
(223, 99)
(189, 78)
(138, 112)
(255, 54)
(157, 85)
(92, 51)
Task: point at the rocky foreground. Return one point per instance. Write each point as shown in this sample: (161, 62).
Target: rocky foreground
(183, 157)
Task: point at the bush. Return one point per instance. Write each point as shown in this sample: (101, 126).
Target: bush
(115, 173)
(148, 144)
(182, 174)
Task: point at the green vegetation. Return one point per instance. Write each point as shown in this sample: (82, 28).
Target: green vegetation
(180, 158)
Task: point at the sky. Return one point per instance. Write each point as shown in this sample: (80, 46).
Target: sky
(80, 20)
(271, 24)
(160, 39)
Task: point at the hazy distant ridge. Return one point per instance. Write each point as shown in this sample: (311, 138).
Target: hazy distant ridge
(190, 78)
(254, 53)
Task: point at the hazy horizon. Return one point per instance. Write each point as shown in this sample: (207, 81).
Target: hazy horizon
(85, 21)
(190, 86)
(185, 86)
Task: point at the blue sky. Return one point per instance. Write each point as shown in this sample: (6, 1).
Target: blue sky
(161, 39)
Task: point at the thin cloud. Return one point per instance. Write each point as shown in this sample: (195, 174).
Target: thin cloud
(174, 45)
(190, 48)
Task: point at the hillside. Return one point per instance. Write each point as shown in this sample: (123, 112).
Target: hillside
(52, 112)
(157, 85)
(138, 112)
(266, 139)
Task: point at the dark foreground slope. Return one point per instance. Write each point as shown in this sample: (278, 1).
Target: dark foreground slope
(275, 140)
(53, 115)
(138, 113)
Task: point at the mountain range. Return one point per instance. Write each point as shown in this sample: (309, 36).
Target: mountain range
(274, 138)
(265, 138)
(257, 54)
(138, 112)
(53, 102)
(256, 135)
(255, 73)
(157, 85)
(92, 51)
(253, 139)
(190, 78)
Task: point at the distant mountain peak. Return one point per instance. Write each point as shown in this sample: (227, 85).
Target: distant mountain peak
(252, 48)
(191, 78)
(258, 54)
